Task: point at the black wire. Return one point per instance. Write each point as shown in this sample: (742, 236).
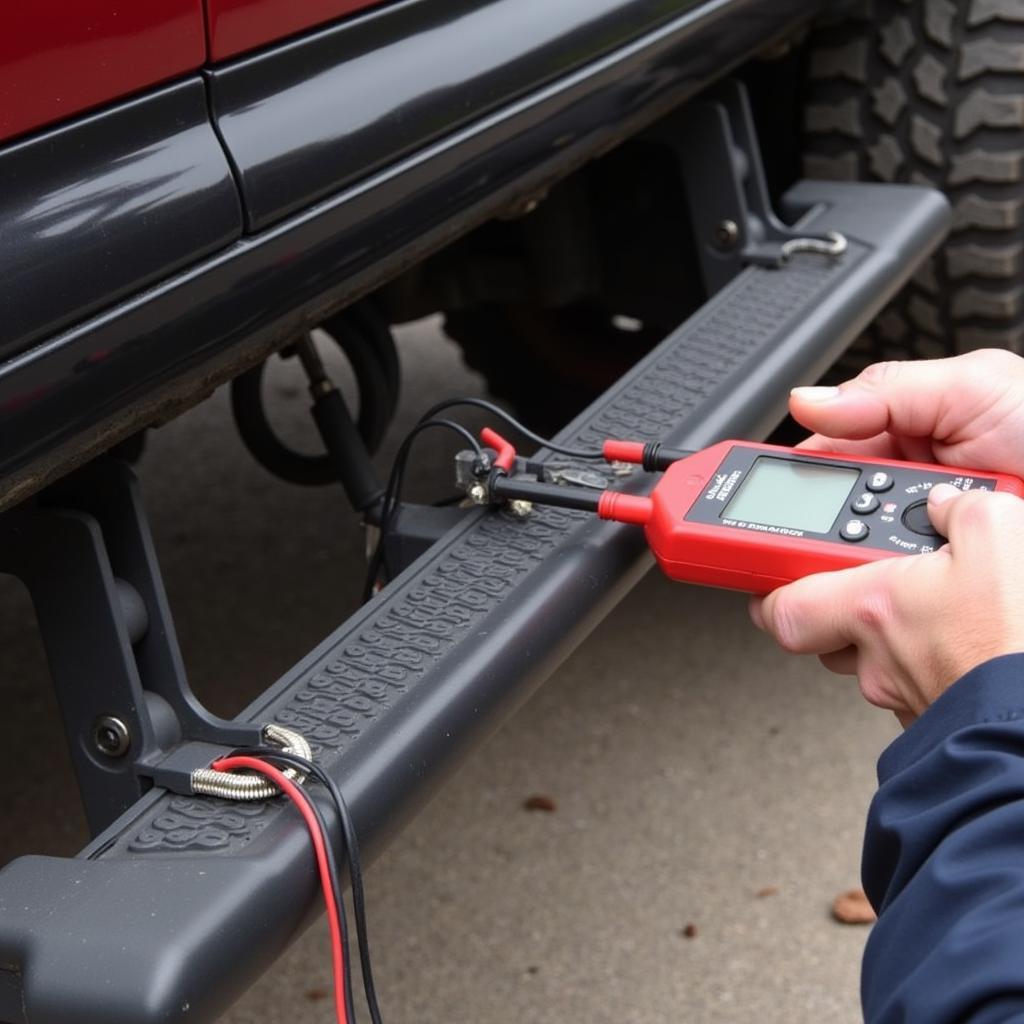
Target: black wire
(390, 503)
(482, 403)
(353, 862)
(264, 754)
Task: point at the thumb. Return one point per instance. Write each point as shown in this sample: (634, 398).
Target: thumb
(934, 398)
(846, 412)
(941, 499)
(974, 520)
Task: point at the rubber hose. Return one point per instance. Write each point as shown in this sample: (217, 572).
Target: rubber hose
(374, 364)
(370, 323)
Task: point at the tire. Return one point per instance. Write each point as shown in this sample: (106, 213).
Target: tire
(932, 92)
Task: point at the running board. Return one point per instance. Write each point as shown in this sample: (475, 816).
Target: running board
(174, 910)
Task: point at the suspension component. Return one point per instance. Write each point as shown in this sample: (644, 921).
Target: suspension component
(366, 341)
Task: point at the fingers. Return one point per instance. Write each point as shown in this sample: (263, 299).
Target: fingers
(843, 663)
(909, 627)
(827, 612)
(880, 447)
(975, 521)
(927, 399)
(941, 499)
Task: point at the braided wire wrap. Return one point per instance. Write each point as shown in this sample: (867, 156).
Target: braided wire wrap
(249, 785)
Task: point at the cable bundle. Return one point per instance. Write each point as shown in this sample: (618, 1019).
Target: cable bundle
(265, 761)
(285, 769)
(392, 495)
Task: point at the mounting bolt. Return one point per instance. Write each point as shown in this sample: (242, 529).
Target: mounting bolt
(520, 507)
(727, 234)
(110, 736)
(477, 494)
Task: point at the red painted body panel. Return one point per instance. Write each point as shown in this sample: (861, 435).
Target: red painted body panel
(744, 560)
(239, 25)
(60, 57)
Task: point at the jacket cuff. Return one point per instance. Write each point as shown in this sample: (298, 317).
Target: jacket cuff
(991, 692)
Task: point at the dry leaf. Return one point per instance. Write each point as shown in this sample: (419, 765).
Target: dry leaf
(853, 908)
(537, 802)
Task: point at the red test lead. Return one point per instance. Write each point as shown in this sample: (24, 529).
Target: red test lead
(754, 517)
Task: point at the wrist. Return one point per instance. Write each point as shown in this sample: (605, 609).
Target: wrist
(991, 691)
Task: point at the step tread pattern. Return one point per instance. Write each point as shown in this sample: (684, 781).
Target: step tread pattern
(403, 637)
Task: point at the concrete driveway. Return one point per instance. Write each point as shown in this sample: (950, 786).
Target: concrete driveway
(708, 792)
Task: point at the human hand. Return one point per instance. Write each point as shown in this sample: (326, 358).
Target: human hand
(909, 626)
(965, 411)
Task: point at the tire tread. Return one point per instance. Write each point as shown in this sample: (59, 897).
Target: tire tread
(932, 92)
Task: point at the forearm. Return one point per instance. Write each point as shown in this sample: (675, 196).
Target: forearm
(944, 859)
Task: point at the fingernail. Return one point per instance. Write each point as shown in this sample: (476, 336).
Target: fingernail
(756, 614)
(815, 394)
(941, 493)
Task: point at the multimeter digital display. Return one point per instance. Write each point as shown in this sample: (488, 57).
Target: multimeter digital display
(782, 492)
(754, 517)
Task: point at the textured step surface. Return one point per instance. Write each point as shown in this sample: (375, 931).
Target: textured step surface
(367, 669)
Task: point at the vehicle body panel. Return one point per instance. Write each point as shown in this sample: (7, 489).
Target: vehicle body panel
(65, 56)
(67, 396)
(238, 25)
(100, 208)
(310, 117)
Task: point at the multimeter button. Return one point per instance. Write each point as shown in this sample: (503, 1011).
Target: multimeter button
(866, 503)
(878, 482)
(915, 518)
(854, 530)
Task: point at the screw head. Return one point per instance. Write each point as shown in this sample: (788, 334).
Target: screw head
(110, 736)
(727, 234)
(477, 493)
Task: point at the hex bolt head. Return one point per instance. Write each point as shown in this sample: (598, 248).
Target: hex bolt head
(110, 736)
(477, 494)
(727, 234)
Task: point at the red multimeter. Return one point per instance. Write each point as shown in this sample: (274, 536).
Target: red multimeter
(754, 517)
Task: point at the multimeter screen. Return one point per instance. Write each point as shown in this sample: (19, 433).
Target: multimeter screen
(795, 495)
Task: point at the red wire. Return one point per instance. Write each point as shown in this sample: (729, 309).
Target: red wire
(301, 801)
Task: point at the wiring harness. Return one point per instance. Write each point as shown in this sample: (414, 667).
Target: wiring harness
(493, 467)
(270, 771)
(482, 468)
(284, 765)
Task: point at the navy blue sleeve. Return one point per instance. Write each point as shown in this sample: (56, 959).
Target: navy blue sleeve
(944, 860)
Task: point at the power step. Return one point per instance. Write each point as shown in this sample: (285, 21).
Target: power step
(133, 930)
